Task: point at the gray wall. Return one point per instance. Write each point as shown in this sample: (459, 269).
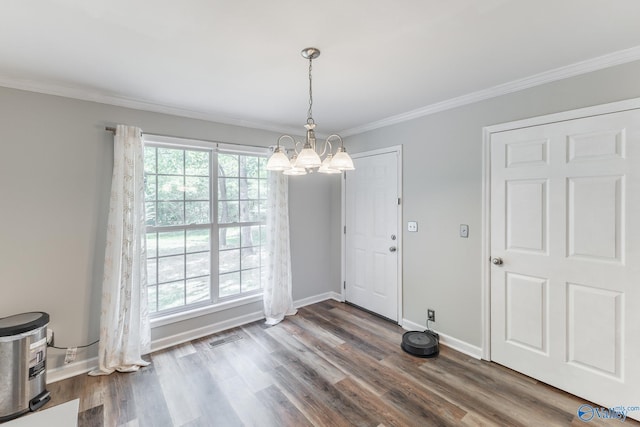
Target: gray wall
(55, 177)
(442, 189)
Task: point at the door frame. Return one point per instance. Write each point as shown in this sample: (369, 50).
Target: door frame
(393, 149)
(487, 132)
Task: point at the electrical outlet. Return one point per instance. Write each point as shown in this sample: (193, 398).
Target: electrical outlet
(70, 356)
(50, 337)
(431, 315)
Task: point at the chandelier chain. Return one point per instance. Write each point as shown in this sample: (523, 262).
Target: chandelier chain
(309, 115)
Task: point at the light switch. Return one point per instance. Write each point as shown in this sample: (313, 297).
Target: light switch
(464, 230)
(412, 226)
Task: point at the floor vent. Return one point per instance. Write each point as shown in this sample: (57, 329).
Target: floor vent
(226, 340)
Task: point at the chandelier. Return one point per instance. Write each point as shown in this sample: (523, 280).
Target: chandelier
(308, 159)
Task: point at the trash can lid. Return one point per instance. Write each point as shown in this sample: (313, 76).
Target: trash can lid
(20, 323)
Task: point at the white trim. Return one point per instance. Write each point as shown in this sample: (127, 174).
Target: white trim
(613, 107)
(71, 370)
(485, 248)
(136, 104)
(194, 334)
(83, 366)
(202, 311)
(317, 298)
(449, 341)
(205, 144)
(397, 149)
(582, 67)
(596, 110)
(578, 68)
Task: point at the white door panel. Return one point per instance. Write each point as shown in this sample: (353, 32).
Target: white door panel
(371, 224)
(565, 210)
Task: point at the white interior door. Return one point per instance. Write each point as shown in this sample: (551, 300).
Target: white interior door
(371, 239)
(565, 221)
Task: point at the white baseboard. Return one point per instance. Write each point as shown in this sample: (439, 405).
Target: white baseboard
(84, 366)
(317, 298)
(449, 341)
(194, 334)
(71, 370)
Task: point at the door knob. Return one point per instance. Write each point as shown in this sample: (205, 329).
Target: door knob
(392, 249)
(496, 261)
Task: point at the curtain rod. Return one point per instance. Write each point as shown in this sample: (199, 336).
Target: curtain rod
(113, 131)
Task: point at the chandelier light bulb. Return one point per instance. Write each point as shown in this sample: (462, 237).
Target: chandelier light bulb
(326, 168)
(342, 161)
(294, 168)
(278, 161)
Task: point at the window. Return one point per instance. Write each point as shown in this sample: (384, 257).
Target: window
(206, 212)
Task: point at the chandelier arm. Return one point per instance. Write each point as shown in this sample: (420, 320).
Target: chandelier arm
(324, 148)
(295, 146)
(286, 136)
(335, 135)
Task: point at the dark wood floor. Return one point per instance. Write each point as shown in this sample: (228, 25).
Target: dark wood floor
(330, 365)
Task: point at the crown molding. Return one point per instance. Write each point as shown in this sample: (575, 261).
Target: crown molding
(136, 104)
(578, 68)
(583, 67)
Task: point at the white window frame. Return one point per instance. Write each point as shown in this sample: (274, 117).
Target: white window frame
(215, 304)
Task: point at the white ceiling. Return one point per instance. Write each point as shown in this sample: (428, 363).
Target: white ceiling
(238, 61)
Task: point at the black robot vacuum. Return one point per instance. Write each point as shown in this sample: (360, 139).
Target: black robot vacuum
(421, 344)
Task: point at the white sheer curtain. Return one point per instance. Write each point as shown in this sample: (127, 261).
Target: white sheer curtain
(278, 300)
(124, 323)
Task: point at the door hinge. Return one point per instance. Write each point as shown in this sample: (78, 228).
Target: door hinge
(398, 200)
(345, 230)
(344, 285)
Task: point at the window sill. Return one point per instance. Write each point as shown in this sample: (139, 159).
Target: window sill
(202, 311)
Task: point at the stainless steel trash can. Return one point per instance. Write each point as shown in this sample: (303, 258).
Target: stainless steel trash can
(23, 363)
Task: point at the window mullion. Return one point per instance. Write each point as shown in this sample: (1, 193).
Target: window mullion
(214, 281)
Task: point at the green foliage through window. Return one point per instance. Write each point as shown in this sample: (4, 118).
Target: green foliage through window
(203, 246)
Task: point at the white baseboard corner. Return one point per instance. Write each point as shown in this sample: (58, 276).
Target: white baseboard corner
(449, 341)
(317, 298)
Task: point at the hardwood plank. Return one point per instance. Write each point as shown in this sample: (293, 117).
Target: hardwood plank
(182, 407)
(308, 400)
(209, 399)
(449, 387)
(93, 417)
(151, 406)
(388, 343)
(383, 329)
(324, 368)
(387, 414)
(507, 393)
(352, 339)
(266, 342)
(119, 403)
(381, 380)
(284, 412)
(251, 410)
